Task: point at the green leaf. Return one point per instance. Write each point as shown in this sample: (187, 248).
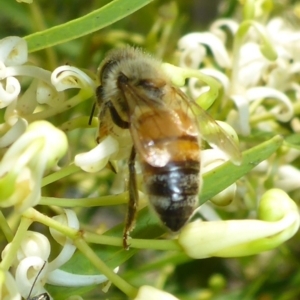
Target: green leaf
(98, 19)
(219, 178)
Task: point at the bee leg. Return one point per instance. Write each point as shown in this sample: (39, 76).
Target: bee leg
(133, 199)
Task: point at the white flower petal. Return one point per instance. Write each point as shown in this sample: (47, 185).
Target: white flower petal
(69, 219)
(241, 123)
(13, 51)
(66, 77)
(10, 92)
(96, 159)
(288, 178)
(63, 278)
(34, 244)
(216, 46)
(284, 102)
(13, 133)
(46, 94)
(27, 272)
(217, 27)
(147, 292)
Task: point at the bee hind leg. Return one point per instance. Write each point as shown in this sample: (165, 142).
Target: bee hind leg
(133, 200)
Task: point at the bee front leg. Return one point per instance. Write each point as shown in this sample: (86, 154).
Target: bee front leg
(133, 200)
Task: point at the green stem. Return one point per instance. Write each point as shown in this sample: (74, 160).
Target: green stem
(86, 202)
(119, 282)
(34, 215)
(83, 95)
(5, 228)
(15, 244)
(64, 172)
(102, 239)
(171, 245)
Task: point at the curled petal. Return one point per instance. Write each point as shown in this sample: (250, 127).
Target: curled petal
(217, 27)
(34, 244)
(196, 89)
(69, 219)
(63, 278)
(13, 51)
(221, 77)
(216, 46)
(279, 222)
(192, 57)
(10, 92)
(26, 274)
(283, 112)
(97, 158)
(13, 133)
(147, 292)
(46, 94)
(287, 178)
(66, 77)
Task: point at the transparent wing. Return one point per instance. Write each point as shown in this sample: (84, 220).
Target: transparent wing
(215, 135)
(157, 124)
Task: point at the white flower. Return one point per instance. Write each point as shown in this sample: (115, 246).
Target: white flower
(13, 56)
(278, 221)
(66, 77)
(32, 261)
(193, 51)
(97, 158)
(23, 165)
(147, 292)
(252, 64)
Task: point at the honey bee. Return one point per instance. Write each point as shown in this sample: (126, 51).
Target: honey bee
(166, 128)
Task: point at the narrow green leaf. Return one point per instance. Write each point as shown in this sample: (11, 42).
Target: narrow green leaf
(219, 178)
(100, 18)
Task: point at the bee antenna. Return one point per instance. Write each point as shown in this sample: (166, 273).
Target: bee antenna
(92, 113)
(35, 280)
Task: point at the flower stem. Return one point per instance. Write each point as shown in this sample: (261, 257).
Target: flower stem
(64, 172)
(86, 202)
(15, 245)
(83, 95)
(119, 282)
(34, 215)
(5, 228)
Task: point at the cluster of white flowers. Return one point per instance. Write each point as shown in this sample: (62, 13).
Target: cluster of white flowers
(263, 65)
(32, 149)
(31, 269)
(37, 147)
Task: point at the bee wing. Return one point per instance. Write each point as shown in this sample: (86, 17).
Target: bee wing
(156, 122)
(214, 134)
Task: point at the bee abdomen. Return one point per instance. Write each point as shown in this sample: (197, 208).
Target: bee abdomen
(173, 191)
